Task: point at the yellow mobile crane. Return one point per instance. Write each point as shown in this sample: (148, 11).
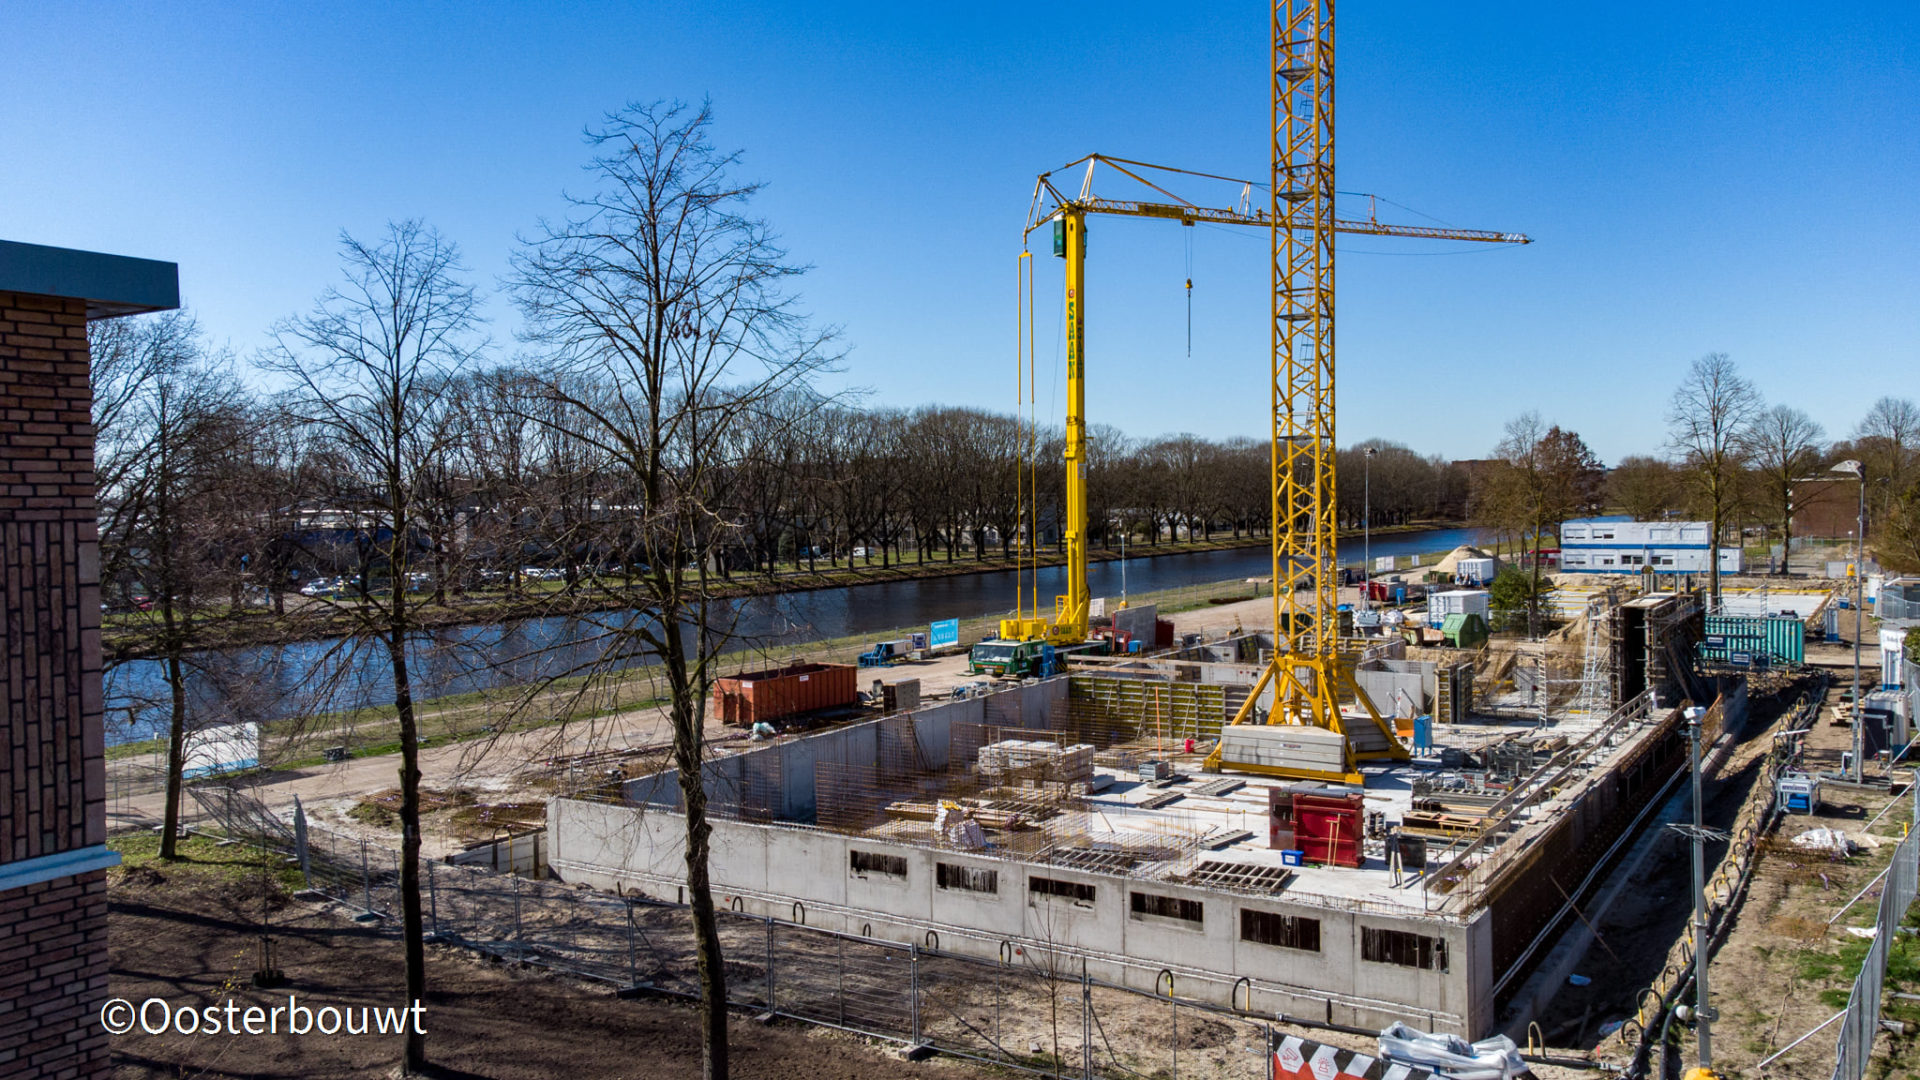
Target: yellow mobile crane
(1067, 213)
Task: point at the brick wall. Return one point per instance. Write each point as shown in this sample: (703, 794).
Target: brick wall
(53, 978)
(52, 781)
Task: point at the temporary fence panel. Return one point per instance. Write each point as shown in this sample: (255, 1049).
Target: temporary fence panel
(1862, 1022)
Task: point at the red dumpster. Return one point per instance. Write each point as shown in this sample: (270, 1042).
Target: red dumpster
(752, 696)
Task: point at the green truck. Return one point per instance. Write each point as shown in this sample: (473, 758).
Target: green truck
(1013, 659)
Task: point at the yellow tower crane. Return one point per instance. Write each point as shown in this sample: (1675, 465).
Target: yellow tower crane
(1067, 213)
(1309, 683)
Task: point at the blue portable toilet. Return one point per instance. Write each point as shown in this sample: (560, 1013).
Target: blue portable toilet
(1423, 734)
(1399, 594)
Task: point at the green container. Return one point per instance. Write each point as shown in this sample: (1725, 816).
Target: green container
(1754, 641)
(1464, 629)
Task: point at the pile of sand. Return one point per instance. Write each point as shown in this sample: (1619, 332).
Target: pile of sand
(1451, 563)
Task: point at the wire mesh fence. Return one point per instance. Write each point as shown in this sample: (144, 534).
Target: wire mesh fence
(1030, 1011)
(1862, 1021)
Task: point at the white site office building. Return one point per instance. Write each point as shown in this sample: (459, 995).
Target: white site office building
(1598, 546)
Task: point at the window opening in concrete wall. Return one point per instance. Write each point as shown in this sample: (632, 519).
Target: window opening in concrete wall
(872, 862)
(1169, 907)
(967, 878)
(1066, 890)
(1404, 949)
(1286, 931)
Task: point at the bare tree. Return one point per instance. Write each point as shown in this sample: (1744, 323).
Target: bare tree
(126, 355)
(1707, 423)
(1646, 488)
(1785, 445)
(661, 286)
(1887, 441)
(368, 369)
(174, 426)
(1543, 475)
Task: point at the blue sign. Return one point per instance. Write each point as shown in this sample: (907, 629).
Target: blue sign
(946, 632)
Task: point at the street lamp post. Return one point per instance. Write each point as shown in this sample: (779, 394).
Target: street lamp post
(1702, 949)
(1366, 528)
(1859, 472)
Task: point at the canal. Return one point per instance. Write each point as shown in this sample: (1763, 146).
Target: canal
(280, 681)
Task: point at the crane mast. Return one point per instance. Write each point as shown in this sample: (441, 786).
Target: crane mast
(1308, 681)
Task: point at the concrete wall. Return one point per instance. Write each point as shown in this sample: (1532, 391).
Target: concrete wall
(784, 768)
(1380, 678)
(806, 875)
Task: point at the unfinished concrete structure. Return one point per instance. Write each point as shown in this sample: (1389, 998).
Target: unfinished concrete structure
(1149, 870)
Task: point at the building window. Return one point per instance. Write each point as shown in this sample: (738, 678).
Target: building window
(1286, 931)
(1404, 949)
(966, 878)
(1066, 890)
(1169, 907)
(872, 862)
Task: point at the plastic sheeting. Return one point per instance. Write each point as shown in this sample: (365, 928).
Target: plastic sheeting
(1451, 1056)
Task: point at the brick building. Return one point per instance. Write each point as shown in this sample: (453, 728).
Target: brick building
(1829, 507)
(53, 854)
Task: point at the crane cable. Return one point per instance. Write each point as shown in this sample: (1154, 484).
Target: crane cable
(1189, 293)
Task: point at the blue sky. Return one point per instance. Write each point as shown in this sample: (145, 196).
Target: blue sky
(1734, 177)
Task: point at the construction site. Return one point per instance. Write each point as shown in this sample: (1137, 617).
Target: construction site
(1120, 815)
(1359, 815)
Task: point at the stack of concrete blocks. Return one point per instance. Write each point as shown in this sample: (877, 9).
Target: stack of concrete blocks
(1283, 746)
(1031, 763)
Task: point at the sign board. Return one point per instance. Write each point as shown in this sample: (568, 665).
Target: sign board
(1383, 562)
(213, 750)
(945, 632)
(1097, 607)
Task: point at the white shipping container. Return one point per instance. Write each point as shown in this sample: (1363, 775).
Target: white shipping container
(1478, 570)
(1458, 602)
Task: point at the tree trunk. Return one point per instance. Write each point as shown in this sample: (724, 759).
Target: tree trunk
(708, 960)
(1713, 558)
(412, 926)
(176, 745)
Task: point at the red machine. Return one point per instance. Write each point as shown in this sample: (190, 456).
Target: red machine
(1326, 824)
